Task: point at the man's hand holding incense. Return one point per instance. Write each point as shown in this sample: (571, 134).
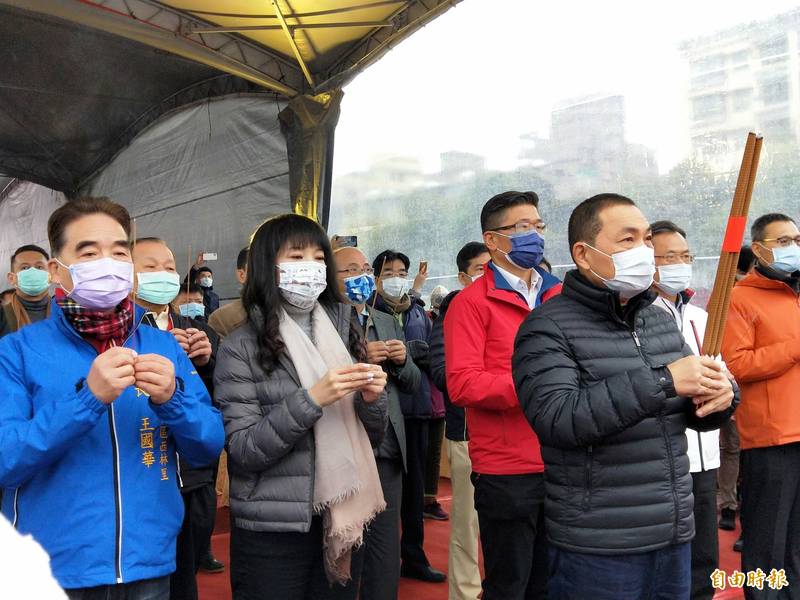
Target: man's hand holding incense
(698, 376)
(155, 376)
(111, 372)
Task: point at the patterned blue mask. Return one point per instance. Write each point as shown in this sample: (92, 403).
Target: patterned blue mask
(359, 288)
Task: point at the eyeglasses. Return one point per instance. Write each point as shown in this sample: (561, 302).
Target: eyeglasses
(673, 259)
(389, 274)
(354, 270)
(784, 241)
(524, 227)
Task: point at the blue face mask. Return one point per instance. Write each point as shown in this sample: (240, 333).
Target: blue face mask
(786, 260)
(527, 249)
(360, 288)
(33, 282)
(193, 310)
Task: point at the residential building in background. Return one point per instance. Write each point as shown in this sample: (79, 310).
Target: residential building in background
(741, 79)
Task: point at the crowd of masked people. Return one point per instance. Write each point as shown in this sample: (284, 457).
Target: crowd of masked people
(588, 437)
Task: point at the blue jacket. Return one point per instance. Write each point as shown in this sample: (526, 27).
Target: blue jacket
(95, 484)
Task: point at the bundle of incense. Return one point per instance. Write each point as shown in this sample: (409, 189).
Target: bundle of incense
(731, 245)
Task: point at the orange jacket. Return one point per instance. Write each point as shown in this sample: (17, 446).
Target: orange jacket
(761, 347)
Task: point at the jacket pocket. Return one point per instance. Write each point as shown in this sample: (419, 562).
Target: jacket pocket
(588, 460)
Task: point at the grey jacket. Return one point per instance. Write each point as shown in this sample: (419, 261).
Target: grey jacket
(405, 379)
(269, 432)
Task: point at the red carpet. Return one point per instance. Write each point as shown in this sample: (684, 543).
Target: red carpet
(217, 587)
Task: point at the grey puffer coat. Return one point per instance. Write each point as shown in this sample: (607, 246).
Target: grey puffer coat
(269, 432)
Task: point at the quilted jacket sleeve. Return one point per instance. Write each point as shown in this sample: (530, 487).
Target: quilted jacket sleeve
(256, 440)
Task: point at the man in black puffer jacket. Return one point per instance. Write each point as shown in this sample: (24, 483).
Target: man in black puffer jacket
(609, 386)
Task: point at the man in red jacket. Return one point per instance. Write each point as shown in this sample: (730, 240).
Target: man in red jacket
(479, 329)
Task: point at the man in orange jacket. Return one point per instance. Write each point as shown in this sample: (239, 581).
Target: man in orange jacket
(761, 347)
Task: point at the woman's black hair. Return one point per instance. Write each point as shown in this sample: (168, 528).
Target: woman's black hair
(261, 296)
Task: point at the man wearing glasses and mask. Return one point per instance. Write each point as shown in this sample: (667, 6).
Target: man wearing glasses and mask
(672, 278)
(761, 347)
(479, 329)
(385, 347)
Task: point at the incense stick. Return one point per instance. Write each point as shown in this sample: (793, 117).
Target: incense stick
(719, 302)
(374, 301)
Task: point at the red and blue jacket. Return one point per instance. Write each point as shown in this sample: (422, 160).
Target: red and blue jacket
(96, 485)
(479, 328)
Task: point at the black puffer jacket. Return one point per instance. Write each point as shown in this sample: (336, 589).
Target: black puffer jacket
(592, 380)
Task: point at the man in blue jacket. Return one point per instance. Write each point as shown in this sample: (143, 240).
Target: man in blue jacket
(94, 412)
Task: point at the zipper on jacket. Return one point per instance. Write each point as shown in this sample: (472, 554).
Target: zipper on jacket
(587, 479)
(114, 450)
(16, 508)
(636, 341)
(700, 445)
(671, 476)
(117, 492)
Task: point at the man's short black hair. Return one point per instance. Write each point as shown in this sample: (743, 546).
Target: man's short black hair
(746, 259)
(193, 289)
(666, 227)
(470, 251)
(241, 260)
(493, 210)
(758, 231)
(203, 269)
(584, 222)
(28, 248)
(8, 292)
(388, 257)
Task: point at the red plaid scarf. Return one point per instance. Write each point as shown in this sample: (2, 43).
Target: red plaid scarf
(100, 328)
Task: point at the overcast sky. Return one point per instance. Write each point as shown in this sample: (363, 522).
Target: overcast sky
(489, 70)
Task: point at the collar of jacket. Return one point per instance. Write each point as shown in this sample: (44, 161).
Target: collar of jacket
(604, 300)
(497, 287)
(765, 278)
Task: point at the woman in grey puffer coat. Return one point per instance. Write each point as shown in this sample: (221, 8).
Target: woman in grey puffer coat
(277, 548)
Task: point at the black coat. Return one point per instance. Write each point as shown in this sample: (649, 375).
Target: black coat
(194, 477)
(592, 380)
(455, 416)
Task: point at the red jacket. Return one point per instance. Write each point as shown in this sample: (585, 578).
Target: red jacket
(479, 331)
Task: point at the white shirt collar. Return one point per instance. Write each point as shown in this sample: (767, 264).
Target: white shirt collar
(520, 286)
(162, 320)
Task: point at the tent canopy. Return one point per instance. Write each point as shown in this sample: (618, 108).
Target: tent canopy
(82, 78)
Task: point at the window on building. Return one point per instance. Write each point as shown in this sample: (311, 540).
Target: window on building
(775, 92)
(710, 106)
(740, 59)
(741, 100)
(775, 48)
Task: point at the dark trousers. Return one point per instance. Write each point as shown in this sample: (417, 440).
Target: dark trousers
(147, 589)
(413, 505)
(771, 516)
(194, 540)
(705, 545)
(511, 520)
(433, 460)
(381, 573)
(659, 575)
(285, 566)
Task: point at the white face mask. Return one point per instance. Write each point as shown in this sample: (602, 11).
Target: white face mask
(302, 282)
(206, 282)
(395, 287)
(673, 279)
(633, 270)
